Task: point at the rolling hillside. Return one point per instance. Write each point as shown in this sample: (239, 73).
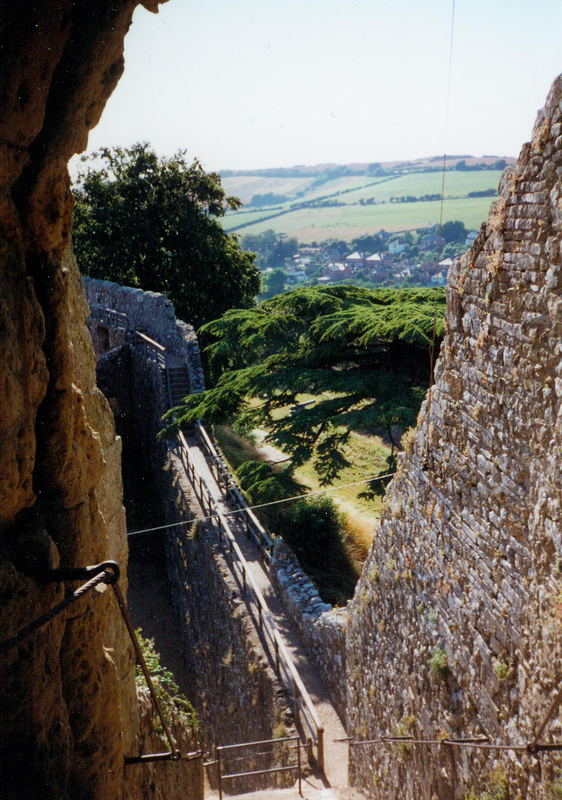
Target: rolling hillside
(315, 206)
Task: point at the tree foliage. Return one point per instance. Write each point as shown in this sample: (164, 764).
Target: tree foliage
(153, 222)
(363, 354)
(272, 249)
(453, 231)
(273, 283)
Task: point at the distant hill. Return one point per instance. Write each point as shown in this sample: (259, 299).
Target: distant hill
(323, 201)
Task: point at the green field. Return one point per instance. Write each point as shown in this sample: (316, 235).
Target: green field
(246, 186)
(417, 184)
(351, 219)
(349, 222)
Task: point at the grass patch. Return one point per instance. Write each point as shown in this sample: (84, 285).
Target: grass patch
(309, 224)
(367, 455)
(351, 220)
(236, 448)
(420, 183)
(347, 521)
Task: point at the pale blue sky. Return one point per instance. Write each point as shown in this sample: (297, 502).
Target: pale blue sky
(260, 83)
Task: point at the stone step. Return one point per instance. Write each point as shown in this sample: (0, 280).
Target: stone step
(308, 793)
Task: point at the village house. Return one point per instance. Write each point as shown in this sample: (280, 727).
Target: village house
(335, 272)
(397, 246)
(431, 241)
(355, 260)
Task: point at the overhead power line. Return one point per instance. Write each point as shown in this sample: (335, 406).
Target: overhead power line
(374, 479)
(447, 108)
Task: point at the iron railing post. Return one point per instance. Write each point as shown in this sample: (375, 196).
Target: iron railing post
(320, 749)
(219, 771)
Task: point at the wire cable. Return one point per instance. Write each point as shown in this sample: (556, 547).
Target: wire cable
(447, 107)
(261, 505)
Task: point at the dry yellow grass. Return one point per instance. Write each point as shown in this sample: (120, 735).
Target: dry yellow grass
(367, 454)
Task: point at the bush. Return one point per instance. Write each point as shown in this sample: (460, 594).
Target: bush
(439, 663)
(176, 706)
(312, 527)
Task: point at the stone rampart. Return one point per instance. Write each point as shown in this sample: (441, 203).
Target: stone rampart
(234, 691)
(456, 620)
(237, 693)
(153, 314)
(321, 628)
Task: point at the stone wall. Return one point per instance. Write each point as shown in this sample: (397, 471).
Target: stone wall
(234, 688)
(163, 780)
(321, 628)
(455, 625)
(153, 314)
(234, 691)
(67, 697)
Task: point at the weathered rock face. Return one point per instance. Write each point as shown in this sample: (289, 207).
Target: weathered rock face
(455, 624)
(67, 705)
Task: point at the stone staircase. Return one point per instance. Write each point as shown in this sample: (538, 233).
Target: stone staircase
(177, 381)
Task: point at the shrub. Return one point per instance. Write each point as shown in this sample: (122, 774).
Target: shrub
(439, 663)
(312, 527)
(175, 705)
(495, 787)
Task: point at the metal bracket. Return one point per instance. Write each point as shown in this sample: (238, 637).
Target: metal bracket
(170, 756)
(81, 573)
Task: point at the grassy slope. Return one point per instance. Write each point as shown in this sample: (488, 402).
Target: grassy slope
(246, 186)
(417, 184)
(349, 221)
(309, 224)
(367, 455)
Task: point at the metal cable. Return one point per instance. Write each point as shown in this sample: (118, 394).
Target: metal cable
(108, 576)
(262, 505)
(475, 744)
(175, 753)
(447, 107)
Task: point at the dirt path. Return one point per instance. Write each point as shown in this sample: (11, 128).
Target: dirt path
(270, 454)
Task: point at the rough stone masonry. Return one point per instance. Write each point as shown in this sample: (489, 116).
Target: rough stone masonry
(456, 622)
(68, 707)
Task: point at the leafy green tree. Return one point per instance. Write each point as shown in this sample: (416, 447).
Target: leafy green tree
(273, 283)
(364, 354)
(453, 249)
(272, 249)
(453, 231)
(153, 222)
(268, 199)
(368, 243)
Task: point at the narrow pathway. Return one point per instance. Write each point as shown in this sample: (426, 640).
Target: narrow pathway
(310, 791)
(336, 753)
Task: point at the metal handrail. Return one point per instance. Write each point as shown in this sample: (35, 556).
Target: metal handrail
(277, 650)
(109, 316)
(154, 345)
(154, 350)
(259, 534)
(290, 768)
